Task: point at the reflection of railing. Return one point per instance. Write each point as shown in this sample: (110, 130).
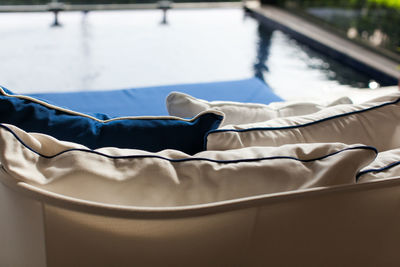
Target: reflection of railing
(55, 7)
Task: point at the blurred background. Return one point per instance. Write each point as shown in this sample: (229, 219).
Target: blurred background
(375, 22)
(114, 49)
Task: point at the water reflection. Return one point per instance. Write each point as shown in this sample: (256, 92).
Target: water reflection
(334, 69)
(330, 68)
(89, 74)
(123, 49)
(263, 49)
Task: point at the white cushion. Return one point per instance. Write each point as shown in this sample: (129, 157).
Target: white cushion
(386, 165)
(186, 106)
(173, 178)
(375, 123)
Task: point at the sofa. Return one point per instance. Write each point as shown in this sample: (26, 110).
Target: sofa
(219, 174)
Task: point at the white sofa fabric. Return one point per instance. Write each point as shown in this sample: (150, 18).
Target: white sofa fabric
(386, 165)
(186, 106)
(173, 178)
(374, 123)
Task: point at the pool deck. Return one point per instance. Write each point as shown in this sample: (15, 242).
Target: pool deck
(329, 43)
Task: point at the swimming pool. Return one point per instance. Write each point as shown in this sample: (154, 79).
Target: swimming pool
(124, 49)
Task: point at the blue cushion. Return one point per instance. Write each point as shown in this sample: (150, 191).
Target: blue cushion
(150, 101)
(151, 134)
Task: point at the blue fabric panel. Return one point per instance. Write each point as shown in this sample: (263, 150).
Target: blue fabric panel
(151, 134)
(150, 101)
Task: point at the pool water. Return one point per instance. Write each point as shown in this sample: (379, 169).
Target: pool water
(125, 49)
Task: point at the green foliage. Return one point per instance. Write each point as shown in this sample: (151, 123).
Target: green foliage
(341, 3)
(371, 19)
(386, 3)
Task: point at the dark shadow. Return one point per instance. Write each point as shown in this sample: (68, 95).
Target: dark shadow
(164, 5)
(88, 75)
(335, 70)
(263, 47)
(56, 23)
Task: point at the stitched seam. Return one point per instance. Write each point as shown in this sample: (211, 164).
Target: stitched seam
(187, 159)
(305, 124)
(387, 167)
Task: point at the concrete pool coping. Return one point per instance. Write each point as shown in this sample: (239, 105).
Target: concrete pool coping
(348, 52)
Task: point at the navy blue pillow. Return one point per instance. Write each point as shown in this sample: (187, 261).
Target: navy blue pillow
(146, 133)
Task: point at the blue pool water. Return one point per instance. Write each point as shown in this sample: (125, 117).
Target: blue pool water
(125, 49)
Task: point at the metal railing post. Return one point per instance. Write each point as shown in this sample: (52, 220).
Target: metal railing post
(164, 6)
(55, 7)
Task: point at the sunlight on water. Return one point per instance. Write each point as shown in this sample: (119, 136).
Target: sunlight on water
(124, 49)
